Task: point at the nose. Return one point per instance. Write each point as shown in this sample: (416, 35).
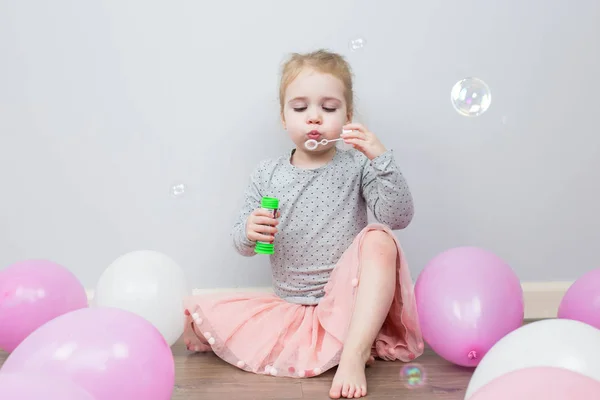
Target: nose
(313, 117)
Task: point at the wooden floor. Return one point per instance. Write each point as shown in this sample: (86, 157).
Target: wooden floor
(205, 376)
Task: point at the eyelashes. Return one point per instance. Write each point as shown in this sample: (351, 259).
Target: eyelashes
(326, 109)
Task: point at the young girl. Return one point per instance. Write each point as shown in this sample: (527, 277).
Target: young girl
(342, 289)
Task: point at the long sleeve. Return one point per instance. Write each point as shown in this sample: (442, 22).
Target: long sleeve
(252, 197)
(386, 191)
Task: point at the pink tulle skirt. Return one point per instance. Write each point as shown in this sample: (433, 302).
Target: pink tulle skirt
(264, 334)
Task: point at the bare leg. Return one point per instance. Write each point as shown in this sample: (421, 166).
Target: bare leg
(374, 297)
(193, 341)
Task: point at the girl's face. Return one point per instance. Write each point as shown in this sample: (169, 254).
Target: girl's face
(314, 108)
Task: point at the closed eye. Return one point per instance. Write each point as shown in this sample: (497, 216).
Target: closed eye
(327, 109)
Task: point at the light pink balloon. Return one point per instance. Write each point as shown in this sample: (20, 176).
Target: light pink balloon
(32, 293)
(111, 353)
(36, 387)
(547, 383)
(581, 302)
(467, 300)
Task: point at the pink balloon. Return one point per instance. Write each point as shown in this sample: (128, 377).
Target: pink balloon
(548, 383)
(467, 300)
(32, 293)
(581, 302)
(36, 387)
(111, 353)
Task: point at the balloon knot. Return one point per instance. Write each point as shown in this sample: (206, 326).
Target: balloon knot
(472, 355)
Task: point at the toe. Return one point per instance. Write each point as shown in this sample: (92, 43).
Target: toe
(358, 392)
(351, 391)
(336, 390)
(345, 390)
(363, 390)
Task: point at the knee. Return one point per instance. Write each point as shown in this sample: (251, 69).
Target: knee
(380, 244)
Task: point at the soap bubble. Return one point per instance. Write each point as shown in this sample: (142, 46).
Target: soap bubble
(413, 376)
(357, 44)
(471, 97)
(178, 190)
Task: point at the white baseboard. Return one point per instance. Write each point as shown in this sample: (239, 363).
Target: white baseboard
(541, 298)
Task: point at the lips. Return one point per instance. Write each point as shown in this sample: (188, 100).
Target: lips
(313, 135)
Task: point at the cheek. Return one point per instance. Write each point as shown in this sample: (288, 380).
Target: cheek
(293, 123)
(338, 119)
(291, 116)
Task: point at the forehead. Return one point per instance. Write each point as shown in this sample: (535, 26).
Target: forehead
(315, 84)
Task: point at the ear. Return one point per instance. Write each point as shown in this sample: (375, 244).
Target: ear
(349, 116)
(283, 121)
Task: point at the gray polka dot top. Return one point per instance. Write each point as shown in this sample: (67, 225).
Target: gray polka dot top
(322, 211)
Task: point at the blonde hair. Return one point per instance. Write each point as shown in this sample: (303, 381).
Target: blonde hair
(323, 61)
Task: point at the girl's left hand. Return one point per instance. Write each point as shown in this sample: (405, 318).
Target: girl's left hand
(363, 140)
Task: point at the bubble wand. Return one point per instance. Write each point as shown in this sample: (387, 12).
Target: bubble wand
(312, 144)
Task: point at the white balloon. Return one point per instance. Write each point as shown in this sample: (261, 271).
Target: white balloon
(560, 343)
(149, 284)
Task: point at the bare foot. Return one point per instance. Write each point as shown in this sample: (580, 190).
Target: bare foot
(196, 346)
(192, 340)
(350, 381)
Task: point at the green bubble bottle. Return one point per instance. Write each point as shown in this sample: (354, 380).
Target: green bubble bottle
(270, 204)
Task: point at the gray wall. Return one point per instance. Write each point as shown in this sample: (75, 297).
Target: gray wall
(104, 106)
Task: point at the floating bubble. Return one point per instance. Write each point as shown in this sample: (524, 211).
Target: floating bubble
(178, 190)
(357, 44)
(413, 376)
(471, 97)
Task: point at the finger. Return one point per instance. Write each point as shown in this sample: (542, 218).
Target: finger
(262, 212)
(257, 237)
(355, 126)
(257, 228)
(355, 142)
(267, 231)
(264, 221)
(353, 134)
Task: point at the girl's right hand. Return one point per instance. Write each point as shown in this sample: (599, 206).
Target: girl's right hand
(261, 226)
